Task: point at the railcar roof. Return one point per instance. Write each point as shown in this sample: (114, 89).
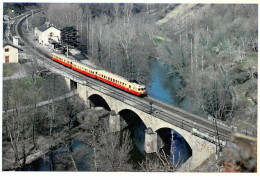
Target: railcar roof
(89, 66)
(85, 61)
(76, 62)
(113, 75)
(61, 55)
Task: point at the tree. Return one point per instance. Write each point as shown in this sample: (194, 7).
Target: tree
(160, 162)
(113, 151)
(110, 150)
(69, 38)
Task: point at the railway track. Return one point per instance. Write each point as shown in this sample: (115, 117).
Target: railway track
(173, 115)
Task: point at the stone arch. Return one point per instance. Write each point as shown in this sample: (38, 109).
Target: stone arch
(185, 134)
(97, 100)
(174, 141)
(130, 120)
(133, 115)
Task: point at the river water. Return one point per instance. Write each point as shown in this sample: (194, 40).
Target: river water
(166, 88)
(163, 88)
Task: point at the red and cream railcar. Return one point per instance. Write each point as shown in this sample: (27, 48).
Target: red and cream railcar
(75, 65)
(107, 77)
(82, 68)
(61, 59)
(121, 83)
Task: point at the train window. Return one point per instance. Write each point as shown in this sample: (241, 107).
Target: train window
(129, 86)
(138, 89)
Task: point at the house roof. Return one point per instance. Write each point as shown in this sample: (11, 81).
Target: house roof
(5, 44)
(43, 27)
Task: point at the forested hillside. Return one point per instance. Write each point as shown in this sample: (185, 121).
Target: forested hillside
(14, 9)
(214, 47)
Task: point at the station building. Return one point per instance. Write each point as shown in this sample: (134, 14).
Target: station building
(47, 34)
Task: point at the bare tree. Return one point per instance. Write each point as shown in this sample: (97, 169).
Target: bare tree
(113, 151)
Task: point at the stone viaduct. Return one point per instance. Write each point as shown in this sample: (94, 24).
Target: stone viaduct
(201, 148)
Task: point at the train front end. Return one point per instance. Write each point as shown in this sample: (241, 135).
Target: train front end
(141, 90)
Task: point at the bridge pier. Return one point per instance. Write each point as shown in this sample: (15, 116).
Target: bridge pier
(83, 94)
(150, 141)
(88, 104)
(114, 122)
(72, 85)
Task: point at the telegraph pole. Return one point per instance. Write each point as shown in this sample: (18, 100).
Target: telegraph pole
(151, 107)
(27, 23)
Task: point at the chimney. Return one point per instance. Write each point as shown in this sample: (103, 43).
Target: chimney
(15, 40)
(47, 23)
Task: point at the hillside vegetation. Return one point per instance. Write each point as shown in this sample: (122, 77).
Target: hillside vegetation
(214, 47)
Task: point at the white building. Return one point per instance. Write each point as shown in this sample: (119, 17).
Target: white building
(47, 34)
(11, 51)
